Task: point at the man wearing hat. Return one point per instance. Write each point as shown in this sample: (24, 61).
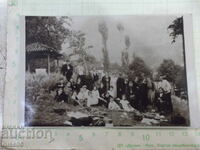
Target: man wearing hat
(67, 70)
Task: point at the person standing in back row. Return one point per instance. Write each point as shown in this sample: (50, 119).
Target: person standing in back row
(120, 85)
(106, 82)
(165, 85)
(67, 70)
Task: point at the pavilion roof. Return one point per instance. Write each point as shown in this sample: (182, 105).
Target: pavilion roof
(41, 49)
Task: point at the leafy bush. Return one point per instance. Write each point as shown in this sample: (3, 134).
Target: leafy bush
(37, 85)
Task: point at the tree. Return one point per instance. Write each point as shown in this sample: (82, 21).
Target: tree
(51, 31)
(170, 69)
(125, 57)
(77, 41)
(180, 79)
(103, 30)
(174, 73)
(138, 67)
(177, 28)
(78, 44)
(124, 54)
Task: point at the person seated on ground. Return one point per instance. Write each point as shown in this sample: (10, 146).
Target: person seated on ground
(95, 92)
(104, 100)
(73, 84)
(113, 105)
(74, 99)
(91, 99)
(78, 85)
(111, 91)
(68, 88)
(101, 90)
(59, 89)
(83, 95)
(117, 100)
(125, 104)
(60, 84)
(107, 97)
(62, 96)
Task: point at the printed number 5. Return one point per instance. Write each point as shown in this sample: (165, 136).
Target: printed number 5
(146, 137)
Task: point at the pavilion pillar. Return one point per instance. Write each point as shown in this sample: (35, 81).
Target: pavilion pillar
(48, 64)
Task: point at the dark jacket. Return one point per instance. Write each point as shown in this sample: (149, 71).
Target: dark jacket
(67, 70)
(106, 83)
(120, 87)
(62, 97)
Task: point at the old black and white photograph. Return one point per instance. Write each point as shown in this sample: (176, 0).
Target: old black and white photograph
(105, 71)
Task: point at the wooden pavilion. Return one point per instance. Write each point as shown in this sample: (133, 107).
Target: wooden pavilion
(39, 55)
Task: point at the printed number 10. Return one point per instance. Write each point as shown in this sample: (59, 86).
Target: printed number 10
(146, 137)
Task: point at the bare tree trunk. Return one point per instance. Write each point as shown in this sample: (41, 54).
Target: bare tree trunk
(106, 57)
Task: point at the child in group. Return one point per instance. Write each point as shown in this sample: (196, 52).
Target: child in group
(93, 97)
(91, 100)
(107, 97)
(74, 99)
(59, 87)
(78, 85)
(83, 94)
(113, 105)
(95, 92)
(61, 96)
(125, 104)
(60, 84)
(111, 91)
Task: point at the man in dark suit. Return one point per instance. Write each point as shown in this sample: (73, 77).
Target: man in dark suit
(120, 86)
(67, 70)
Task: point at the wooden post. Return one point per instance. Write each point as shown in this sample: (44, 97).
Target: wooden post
(48, 64)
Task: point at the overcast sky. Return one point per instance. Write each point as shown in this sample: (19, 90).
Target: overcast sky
(149, 37)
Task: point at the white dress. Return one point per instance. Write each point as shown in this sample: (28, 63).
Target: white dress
(93, 99)
(82, 95)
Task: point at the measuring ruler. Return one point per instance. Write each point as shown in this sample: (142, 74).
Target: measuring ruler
(159, 139)
(108, 138)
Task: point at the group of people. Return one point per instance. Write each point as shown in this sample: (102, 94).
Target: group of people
(113, 91)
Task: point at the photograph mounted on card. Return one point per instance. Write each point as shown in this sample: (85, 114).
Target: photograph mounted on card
(107, 71)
